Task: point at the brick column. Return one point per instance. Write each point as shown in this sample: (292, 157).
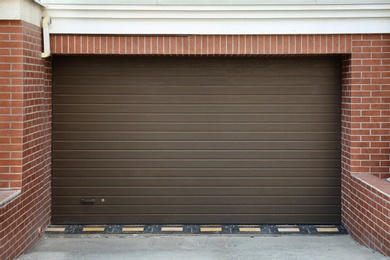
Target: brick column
(365, 141)
(25, 137)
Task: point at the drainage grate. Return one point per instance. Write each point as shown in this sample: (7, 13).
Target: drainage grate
(197, 229)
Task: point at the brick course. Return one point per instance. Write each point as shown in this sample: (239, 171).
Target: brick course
(365, 110)
(201, 44)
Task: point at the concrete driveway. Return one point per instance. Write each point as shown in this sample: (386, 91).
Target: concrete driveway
(204, 247)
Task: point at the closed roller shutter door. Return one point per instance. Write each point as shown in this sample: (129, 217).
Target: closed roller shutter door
(196, 140)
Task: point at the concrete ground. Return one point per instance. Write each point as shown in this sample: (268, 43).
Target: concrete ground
(204, 247)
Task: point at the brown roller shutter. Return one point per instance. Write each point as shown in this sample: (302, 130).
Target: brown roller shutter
(196, 140)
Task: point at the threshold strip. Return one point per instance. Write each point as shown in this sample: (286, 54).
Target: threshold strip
(198, 229)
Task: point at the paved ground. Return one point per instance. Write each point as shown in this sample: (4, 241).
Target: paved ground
(204, 247)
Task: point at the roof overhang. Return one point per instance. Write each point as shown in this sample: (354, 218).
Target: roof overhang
(172, 18)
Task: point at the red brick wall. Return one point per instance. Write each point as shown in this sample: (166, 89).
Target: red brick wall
(11, 104)
(25, 134)
(365, 140)
(366, 211)
(366, 105)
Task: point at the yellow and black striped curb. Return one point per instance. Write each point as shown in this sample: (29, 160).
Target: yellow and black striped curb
(197, 229)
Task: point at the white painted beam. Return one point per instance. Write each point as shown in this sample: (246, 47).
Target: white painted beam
(219, 19)
(25, 10)
(213, 2)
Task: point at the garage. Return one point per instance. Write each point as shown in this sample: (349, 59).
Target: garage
(196, 140)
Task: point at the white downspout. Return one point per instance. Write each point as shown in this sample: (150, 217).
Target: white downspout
(46, 37)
